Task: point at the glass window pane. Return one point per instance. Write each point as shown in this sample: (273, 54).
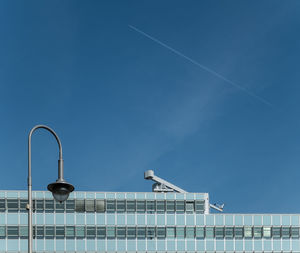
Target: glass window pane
(80, 231)
(100, 205)
(209, 232)
(219, 232)
(150, 232)
(70, 231)
(12, 205)
(257, 232)
(70, 205)
(150, 206)
(2, 205)
(170, 232)
(121, 232)
(12, 231)
(131, 232)
(90, 205)
(180, 232)
(141, 232)
(267, 232)
(179, 206)
(49, 205)
(199, 206)
(189, 232)
(79, 205)
(295, 232)
(276, 232)
(110, 232)
(161, 232)
(49, 231)
(160, 206)
(141, 206)
(101, 232)
(59, 207)
(228, 232)
(130, 206)
(60, 232)
(189, 206)
(248, 232)
(285, 232)
(170, 206)
(199, 232)
(23, 204)
(23, 231)
(39, 205)
(110, 206)
(120, 206)
(238, 232)
(3, 231)
(90, 232)
(40, 232)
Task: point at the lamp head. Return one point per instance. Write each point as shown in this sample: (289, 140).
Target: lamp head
(60, 190)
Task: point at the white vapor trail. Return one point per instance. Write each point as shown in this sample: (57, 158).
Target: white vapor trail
(202, 66)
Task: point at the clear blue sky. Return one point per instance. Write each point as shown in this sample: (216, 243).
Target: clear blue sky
(206, 93)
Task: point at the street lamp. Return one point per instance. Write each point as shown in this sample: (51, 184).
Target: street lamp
(60, 189)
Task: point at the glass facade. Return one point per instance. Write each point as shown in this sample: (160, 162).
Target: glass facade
(139, 222)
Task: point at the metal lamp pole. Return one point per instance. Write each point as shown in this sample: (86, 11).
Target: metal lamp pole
(60, 189)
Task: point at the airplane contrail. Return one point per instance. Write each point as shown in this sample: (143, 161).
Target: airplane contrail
(202, 66)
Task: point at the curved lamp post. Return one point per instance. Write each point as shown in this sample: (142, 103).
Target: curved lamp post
(60, 189)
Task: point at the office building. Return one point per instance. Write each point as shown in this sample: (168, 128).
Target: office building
(159, 221)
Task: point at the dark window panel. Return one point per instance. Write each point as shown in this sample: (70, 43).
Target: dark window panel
(79, 205)
(161, 232)
(131, 206)
(59, 232)
(150, 232)
(12, 232)
(140, 206)
(141, 232)
(238, 232)
(23, 204)
(131, 232)
(219, 232)
(160, 206)
(199, 206)
(285, 232)
(179, 206)
(150, 206)
(70, 205)
(101, 232)
(40, 232)
(100, 205)
(170, 206)
(59, 207)
(110, 206)
(229, 232)
(49, 205)
(90, 205)
(90, 232)
(120, 206)
(39, 205)
(121, 232)
(2, 205)
(12, 205)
